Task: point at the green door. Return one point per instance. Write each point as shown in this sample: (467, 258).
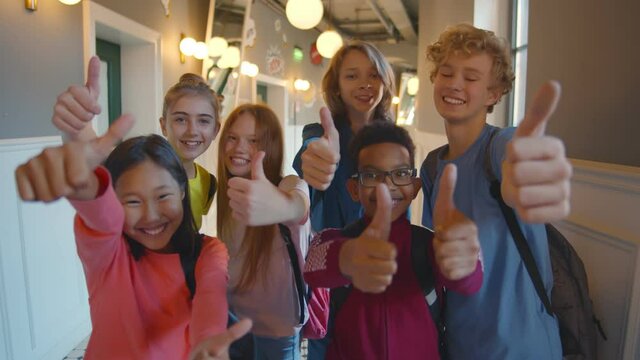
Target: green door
(110, 53)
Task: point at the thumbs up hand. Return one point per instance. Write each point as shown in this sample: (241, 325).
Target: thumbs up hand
(320, 159)
(76, 107)
(370, 259)
(67, 170)
(256, 201)
(535, 172)
(456, 246)
(217, 347)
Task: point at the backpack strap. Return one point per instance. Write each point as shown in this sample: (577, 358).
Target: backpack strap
(514, 227)
(431, 164)
(421, 240)
(213, 186)
(295, 265)
(188, 265)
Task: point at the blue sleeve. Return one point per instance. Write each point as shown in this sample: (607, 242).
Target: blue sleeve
(310, 132)
(297, 160)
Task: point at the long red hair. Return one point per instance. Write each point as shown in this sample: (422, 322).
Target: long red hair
(257, 241)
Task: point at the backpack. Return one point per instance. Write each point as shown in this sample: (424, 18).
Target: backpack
(241, 349)
(570, 301)
(315, 299)
(421, 239)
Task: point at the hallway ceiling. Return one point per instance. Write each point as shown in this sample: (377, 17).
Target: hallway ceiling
(390, 21)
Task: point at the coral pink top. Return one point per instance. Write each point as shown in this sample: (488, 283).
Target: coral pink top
(142, 309)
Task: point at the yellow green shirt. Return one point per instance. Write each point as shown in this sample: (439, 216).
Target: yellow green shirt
(201, 191)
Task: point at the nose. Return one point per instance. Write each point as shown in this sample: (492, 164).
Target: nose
(389, 182)
(151, 212)
(365, 85)
(456, 82)
(190, 127)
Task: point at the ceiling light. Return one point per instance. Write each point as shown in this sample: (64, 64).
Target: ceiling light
(301, 85)
(413, 85)
(304, 14)
(201, 50)
(230, 58)
(188, 46)
(217, 46)
(328, 43)
(249, 69)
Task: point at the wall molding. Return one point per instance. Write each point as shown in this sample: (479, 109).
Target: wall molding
(44, 310)
(612, 176)
(606, 207)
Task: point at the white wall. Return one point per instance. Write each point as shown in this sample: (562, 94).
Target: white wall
(44, 311)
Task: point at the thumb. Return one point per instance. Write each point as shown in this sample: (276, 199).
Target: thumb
(112, 137)
(239, 329)
(381, 223)
(257, 168)
(543, 106)
(233, 333)
(93, 77)
(330, 131)
(444, 205)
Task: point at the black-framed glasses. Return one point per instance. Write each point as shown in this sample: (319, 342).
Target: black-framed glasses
(399, 177)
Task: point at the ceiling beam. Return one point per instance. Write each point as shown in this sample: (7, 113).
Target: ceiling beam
(376, 10)
(398, 15)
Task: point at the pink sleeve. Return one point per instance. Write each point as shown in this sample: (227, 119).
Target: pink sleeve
(98, 228)
(209, 313)
(322, 268)
(468, 285)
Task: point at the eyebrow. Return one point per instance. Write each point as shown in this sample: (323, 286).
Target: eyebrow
(187, 114)
(466, 69)
(373, 168)
(158, 188)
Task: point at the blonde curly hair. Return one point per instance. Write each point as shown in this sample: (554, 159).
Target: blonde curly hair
(465, 39)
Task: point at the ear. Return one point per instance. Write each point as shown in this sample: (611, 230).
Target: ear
(495, 94)
(417, 185)
(183, 194)
(353, 188)
(163, 125)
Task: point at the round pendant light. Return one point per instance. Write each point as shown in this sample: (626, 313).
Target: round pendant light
(304, 14)
(328, 43)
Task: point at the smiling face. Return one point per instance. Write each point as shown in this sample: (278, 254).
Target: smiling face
(152, 201)
(464, 88)
(384, 157)
(240, 145)
(360, 85)
(190, 126)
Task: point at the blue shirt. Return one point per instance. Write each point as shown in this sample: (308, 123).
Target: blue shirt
(505, 319)
(332, 208)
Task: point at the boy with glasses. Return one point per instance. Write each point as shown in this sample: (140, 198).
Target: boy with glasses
(385, 314)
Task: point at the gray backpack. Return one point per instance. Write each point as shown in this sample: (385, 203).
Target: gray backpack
(570, 301)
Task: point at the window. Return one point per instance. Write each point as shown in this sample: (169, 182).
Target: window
(519, 41)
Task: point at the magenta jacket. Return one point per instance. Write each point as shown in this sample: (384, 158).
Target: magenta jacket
(395, 324)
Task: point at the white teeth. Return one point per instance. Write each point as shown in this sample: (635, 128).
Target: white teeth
(453, 101)
(239, 161)
(154, 231)
(192, 143)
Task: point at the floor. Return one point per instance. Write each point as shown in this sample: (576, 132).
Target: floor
(78, 352)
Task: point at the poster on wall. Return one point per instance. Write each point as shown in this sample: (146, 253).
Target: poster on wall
(275, 61)
(314, 55)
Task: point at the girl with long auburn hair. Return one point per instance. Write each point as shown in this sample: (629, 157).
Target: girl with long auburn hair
(253, 199)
